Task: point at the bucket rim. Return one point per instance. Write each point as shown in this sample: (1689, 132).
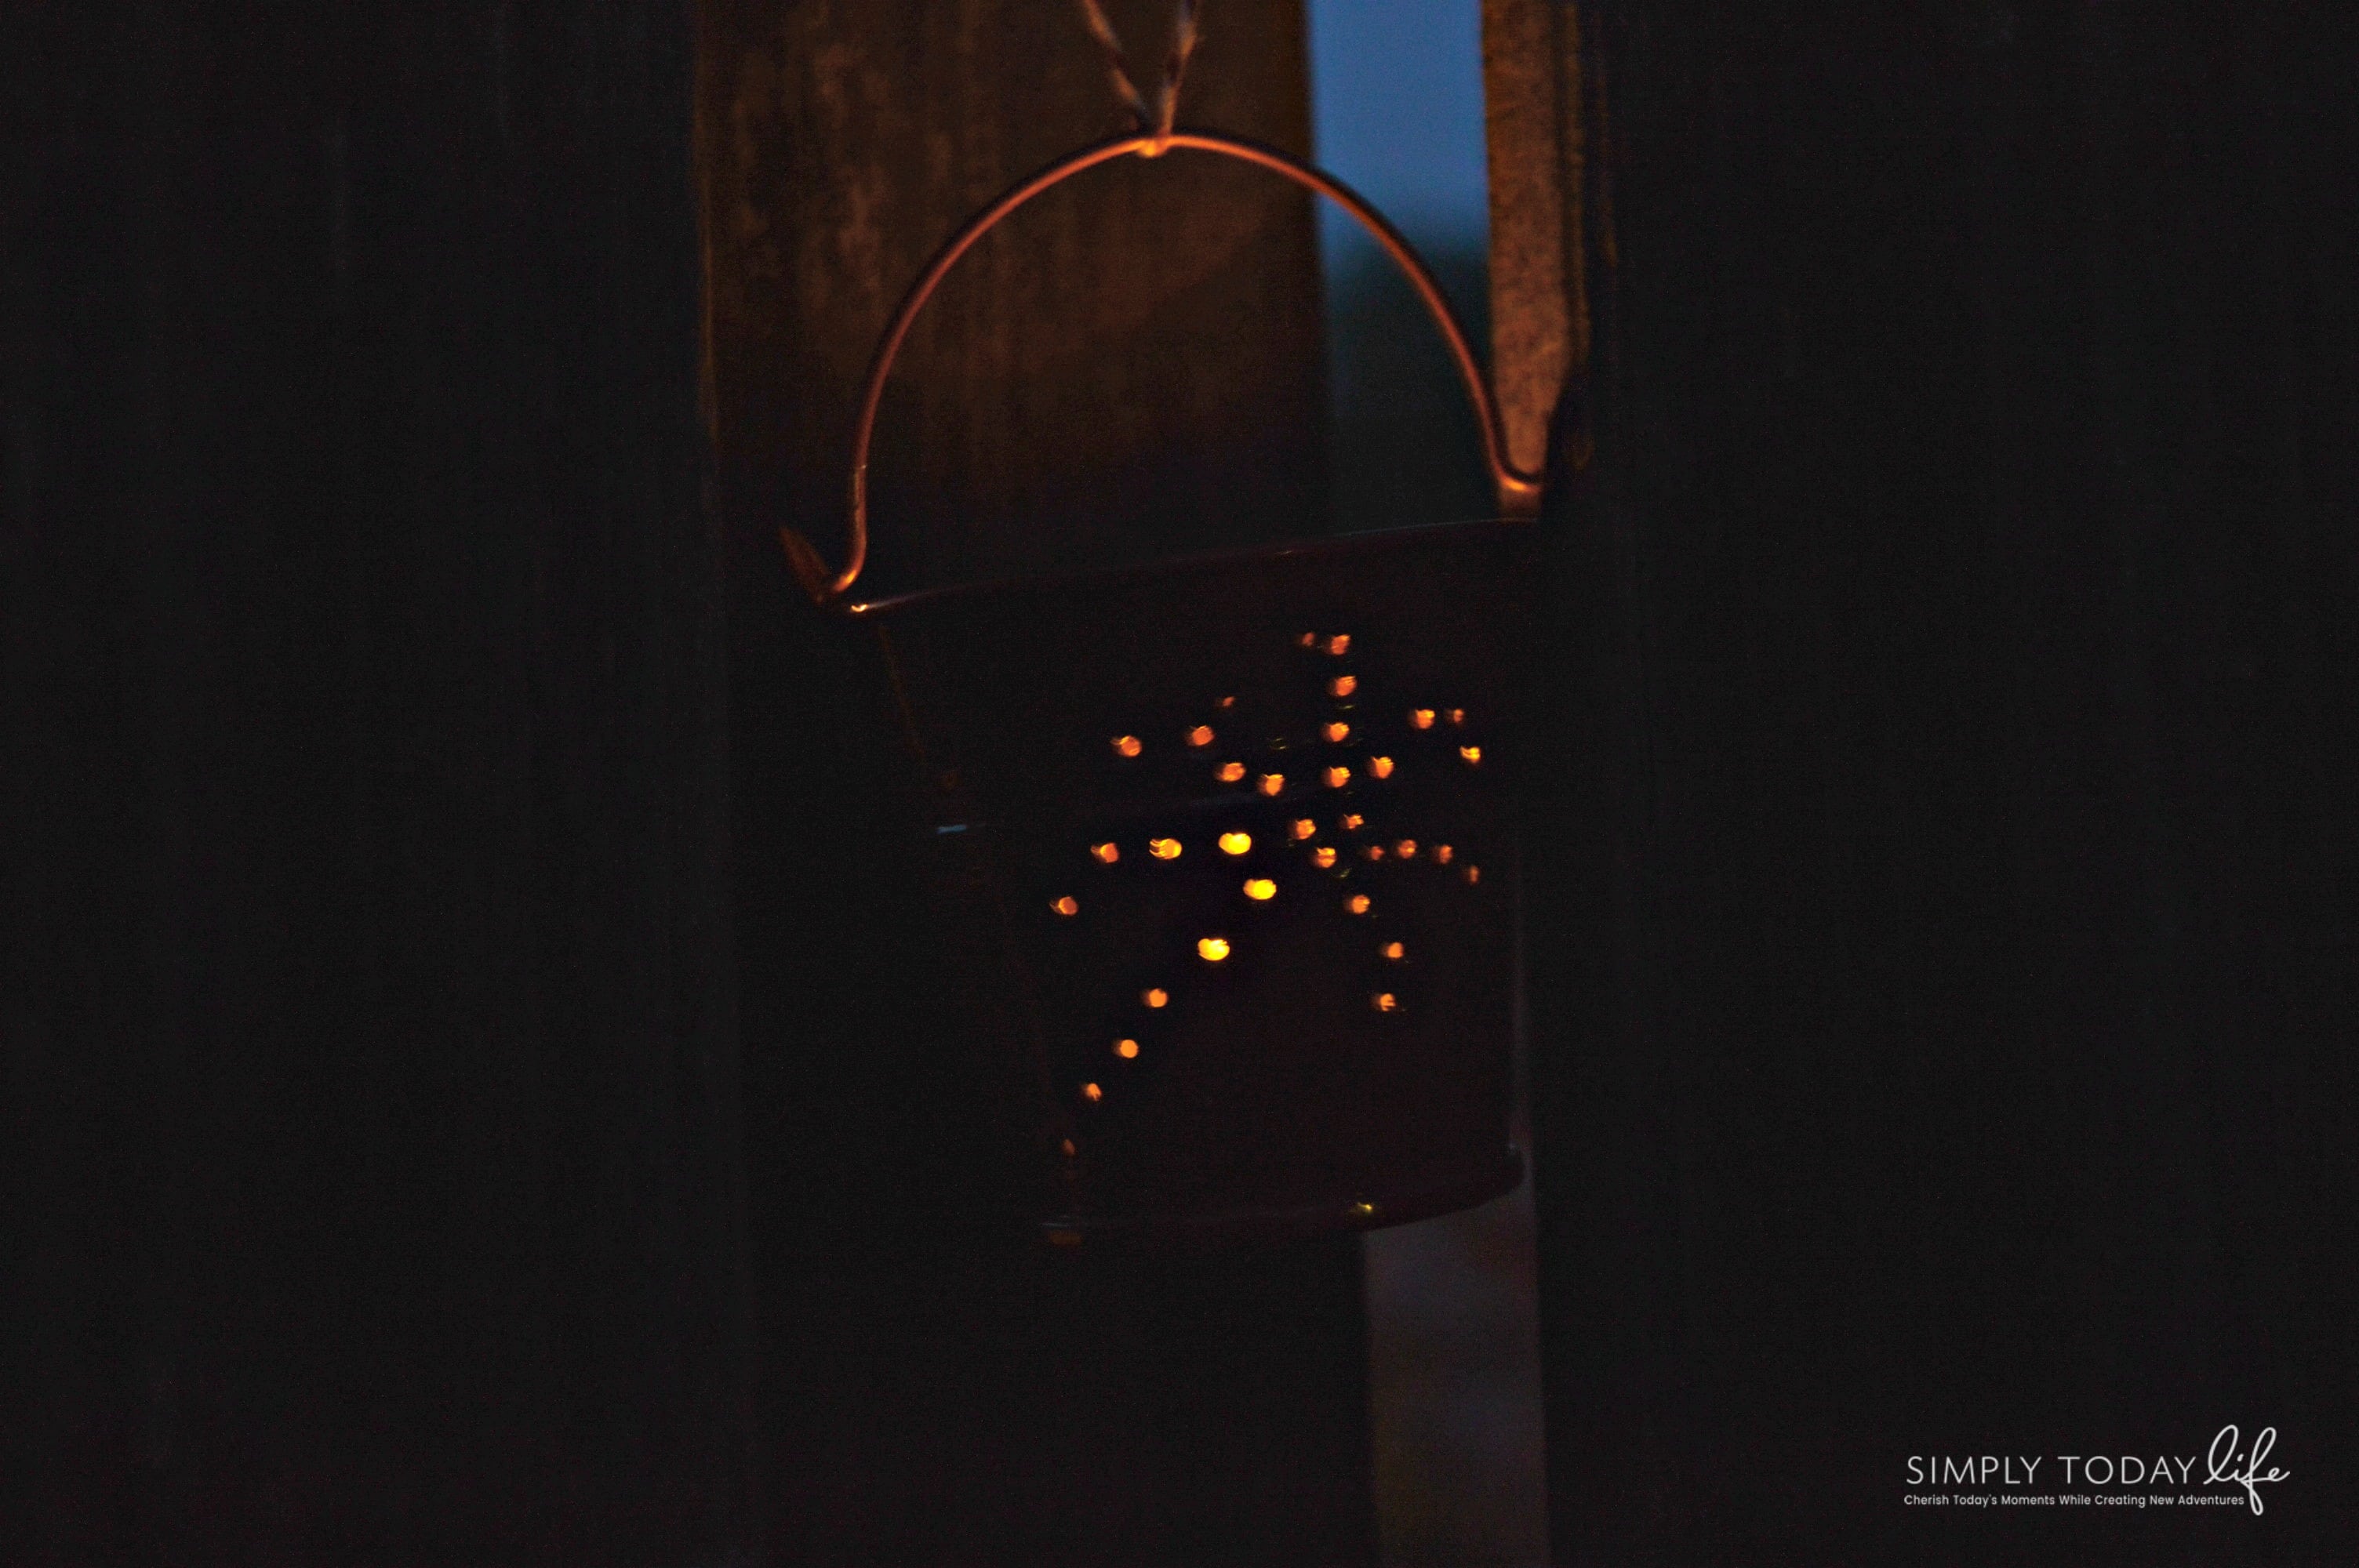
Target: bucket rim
(1366, 541)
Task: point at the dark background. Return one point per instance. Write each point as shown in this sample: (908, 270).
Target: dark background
(428, 1062)
(373, 1190)
(1953, 892)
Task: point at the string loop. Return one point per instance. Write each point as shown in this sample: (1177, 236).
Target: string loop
(1155, 123)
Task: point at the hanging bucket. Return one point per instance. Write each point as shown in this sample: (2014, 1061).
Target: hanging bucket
(1220, 851)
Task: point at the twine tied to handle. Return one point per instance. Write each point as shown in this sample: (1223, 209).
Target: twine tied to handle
(1156, 123)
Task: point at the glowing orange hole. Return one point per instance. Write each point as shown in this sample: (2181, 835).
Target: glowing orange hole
(1394, 950)
(1163, 848)
(1339, 646)
(1303, 828)
(1322, 857)
(1442, 852)
(1350, 822)
(1357, 903)
(1092, 1093)
(1213, 950)
(1474, 754)
(1343, 685)
(1155, 996)
(1127, 1049)
(1338, 777)
(1421, 718)
(1381, 766)
(1337, 731)
(1127, 745)
(1106, 854)
(1373, 852)
(1272, 783)
(1231, 772)
(1067, 905)
(1235, 843)
(1200, 736)
(1386, 1002)
(1260, 889)
(1406, 849)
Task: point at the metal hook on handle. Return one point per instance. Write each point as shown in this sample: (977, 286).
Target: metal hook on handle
(1518, 490)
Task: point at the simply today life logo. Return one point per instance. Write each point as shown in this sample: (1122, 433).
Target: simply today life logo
(2033, 1480)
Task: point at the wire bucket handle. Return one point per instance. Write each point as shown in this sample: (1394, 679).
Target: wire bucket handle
(1517, 489)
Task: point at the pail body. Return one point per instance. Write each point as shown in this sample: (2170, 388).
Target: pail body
(1222, 852)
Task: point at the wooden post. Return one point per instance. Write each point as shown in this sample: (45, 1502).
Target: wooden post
(1949, 896)
(1128, 370)
(368, 1017)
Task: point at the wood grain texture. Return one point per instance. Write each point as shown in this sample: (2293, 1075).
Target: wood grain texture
(1953, 891)
(1129, 370)
(368, 1016)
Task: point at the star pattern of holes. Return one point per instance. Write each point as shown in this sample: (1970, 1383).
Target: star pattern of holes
(1332, 781)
